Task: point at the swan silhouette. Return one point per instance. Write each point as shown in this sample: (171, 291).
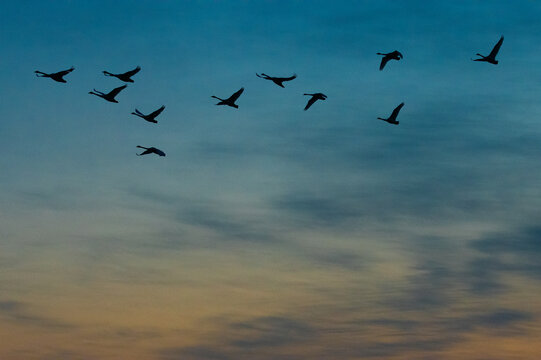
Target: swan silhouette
(57, 76)
(395, 55)
(314, 97)
(111, 95)
(150, 150)
(126, 77)
(150, 117)
(392, 119)
(491, 58)
(230, 101)
(277, 80)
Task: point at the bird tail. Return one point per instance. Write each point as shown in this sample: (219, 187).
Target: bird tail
(137, 112)
(107, 73)
(40, 74)
(142, 147)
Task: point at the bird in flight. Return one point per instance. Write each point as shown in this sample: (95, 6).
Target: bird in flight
(395, 55)
(277, 80)
(57, 76)
(126, 77)
(392, 119)
(491, 58)
(150, 150)
(230, 101)
(111, 95)
(314, 97)
(150, 117)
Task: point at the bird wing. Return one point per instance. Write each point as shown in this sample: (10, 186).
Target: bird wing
(384, 61)
(132, 72)
(236, 95)
(157, 112)
(64, 72)
(288, 78)
(496, 48)
(115, 91)
(396, 111)
(312, 100)
(159, 152)
(146, 152)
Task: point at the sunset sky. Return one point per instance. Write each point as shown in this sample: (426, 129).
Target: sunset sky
(269, 232)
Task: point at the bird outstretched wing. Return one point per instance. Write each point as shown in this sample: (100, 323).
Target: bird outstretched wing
(64, 72)
(310, 103)
(159, 152)
(146, 152)
(132, 72)
(396, 111)
(496, 48)
(157, 112)
(384, 61)
(115, 91)
(289, 78)
(236, 95)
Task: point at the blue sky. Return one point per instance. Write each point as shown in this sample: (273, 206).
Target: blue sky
(268, 231)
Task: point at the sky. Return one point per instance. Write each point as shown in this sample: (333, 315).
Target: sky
(269, 232)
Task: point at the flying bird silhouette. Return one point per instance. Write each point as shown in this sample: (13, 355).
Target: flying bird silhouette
(126, 77)
(230, 101)
(314, 97)
(392, 119)
(150, 117)
(150, 150)
(277, 80)
(491, 58)
(395, 55)
(111, 95)
(57, 76)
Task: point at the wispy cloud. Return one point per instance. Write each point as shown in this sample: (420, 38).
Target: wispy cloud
(21, 314)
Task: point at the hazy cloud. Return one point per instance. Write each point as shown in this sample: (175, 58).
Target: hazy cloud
(20, 313)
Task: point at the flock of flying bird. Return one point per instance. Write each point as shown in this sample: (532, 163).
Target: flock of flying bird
(230, 101)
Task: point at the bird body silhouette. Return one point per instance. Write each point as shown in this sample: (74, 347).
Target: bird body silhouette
(150, 150)
(392, 119)
(230, 101)
(395, 55)
(314, 97)
(57, 76)
(111, 95)
(126, 77)
(491, 58)
(150, 117)
(277, 80)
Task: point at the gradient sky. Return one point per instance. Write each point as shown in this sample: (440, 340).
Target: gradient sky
(269, 232)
